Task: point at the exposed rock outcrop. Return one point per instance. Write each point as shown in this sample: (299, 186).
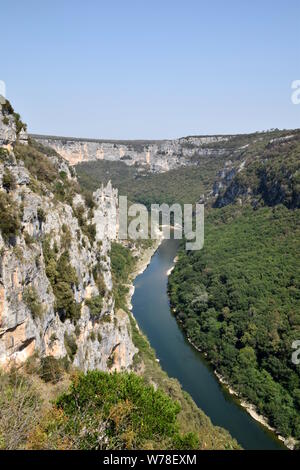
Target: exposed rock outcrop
(42, 242)
(154, 156)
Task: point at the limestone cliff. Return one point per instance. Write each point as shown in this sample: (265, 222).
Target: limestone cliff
(153, 156)
(56, 289)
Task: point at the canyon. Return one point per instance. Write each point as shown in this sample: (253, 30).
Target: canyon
(153, 156)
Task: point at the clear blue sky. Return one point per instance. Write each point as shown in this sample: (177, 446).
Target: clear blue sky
(151, 69)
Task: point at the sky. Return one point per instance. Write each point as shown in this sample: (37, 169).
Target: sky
(137, 69)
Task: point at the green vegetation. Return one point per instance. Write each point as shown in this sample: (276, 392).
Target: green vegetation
(70, 345)
(184, 185)
(118, 411)
(20, 406)
(10, 220)
(99, 411)
(3, 154)
(51, 369)
(32, 301)
(63, 279)
(86, 227)
(238, 300)
(44, 172)
(7, 109)
(8, 181)
(95, 305)
(122, 264)
(99, 279)
(190, 418)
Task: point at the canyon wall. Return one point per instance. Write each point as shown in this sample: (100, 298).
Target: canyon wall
(154, 156)
(47, 258)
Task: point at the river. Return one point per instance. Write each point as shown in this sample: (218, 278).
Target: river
(179, 359)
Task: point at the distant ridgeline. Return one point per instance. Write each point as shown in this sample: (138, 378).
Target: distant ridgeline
(152, 155)
(216, 170)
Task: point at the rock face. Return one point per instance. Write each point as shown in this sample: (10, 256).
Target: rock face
(11, 128)
(154, 156)
(30, 320)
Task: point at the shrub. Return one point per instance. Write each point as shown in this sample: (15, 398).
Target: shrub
(37, 163)
(92, 336)
(31, 300)
(8, 181)
(70, 345)
(10, 223)
(51, 369)
(20, 125)
(41, 215)
(3, 154)
(119, 411)
(29, 239)
(20, 409)
(95, 305)
(99, 280)
(63, 280)
(87, 228)
(7, 108)
(66, 237)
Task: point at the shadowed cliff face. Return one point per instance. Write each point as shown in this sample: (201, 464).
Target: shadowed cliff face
(56, 290)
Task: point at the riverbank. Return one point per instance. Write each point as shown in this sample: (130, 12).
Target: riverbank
(144, 259)
(289, 442)
(251, 409)
(191, 417)
(141, 264)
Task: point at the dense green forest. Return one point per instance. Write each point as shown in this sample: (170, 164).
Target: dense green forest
(183, 185)
(239, 301)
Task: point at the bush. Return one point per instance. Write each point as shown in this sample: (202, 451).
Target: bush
(20, 410)
(8, 181)
(29, 239)
(95, 305)
(41, 215)
(51, 369)
(70, 345)
(87, 228)
(31, 299)
(10, 223)
(99, 280)
(119, 411)
(3, 154)
(63, 279)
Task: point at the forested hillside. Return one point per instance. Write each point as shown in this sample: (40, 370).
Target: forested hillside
(183, 185)
(239, 301)
(239, 298)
